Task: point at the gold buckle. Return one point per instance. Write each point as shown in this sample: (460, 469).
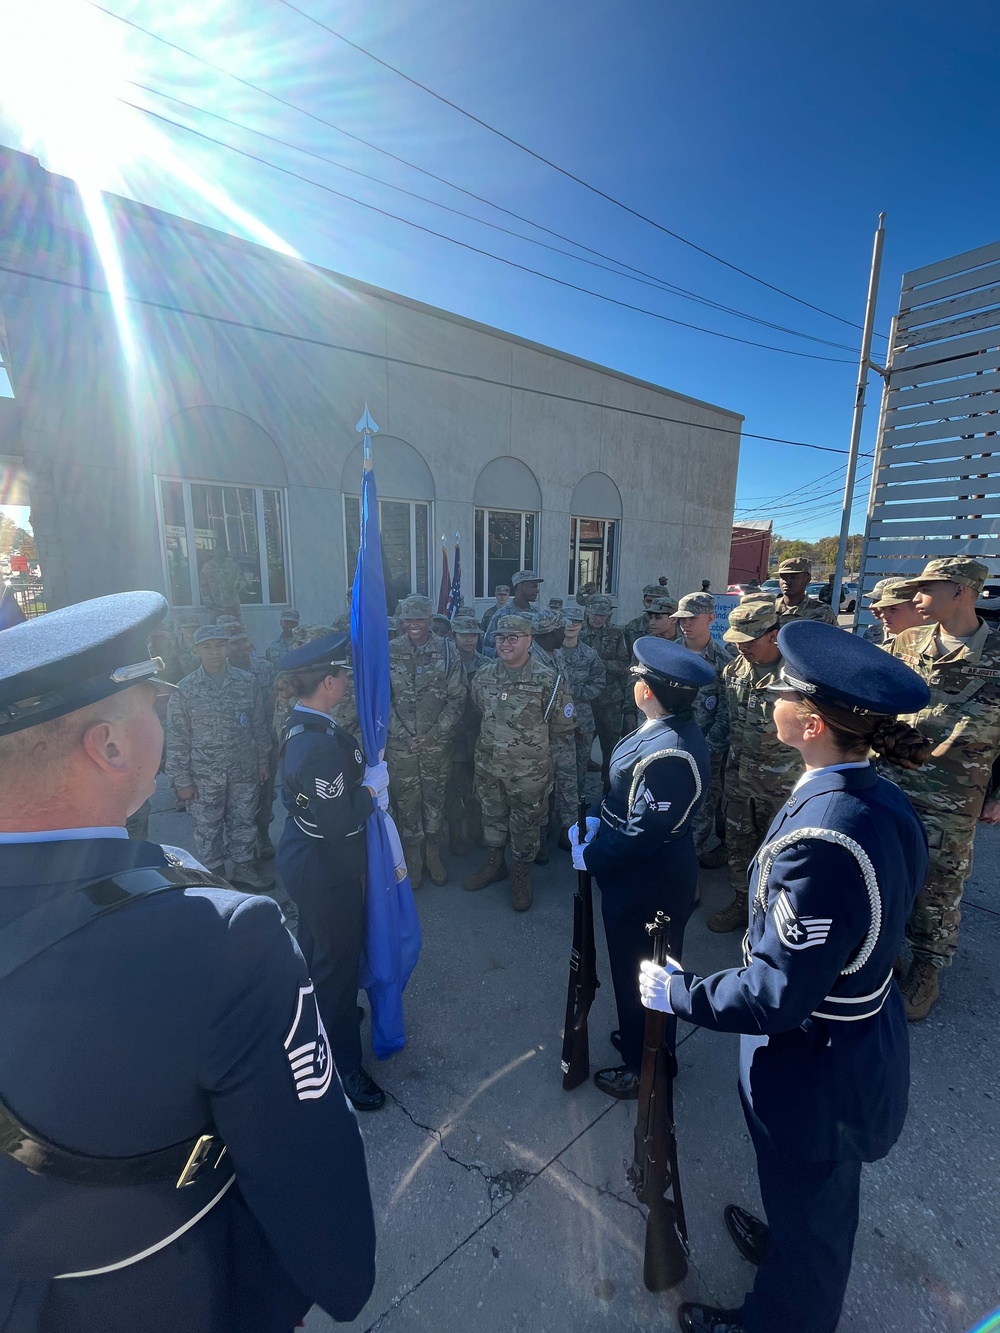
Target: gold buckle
(200, 1154)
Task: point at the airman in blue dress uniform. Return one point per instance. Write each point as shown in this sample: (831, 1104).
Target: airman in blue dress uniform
(639, 844)
(176, 1152)
(321, 858)
(824, 1057)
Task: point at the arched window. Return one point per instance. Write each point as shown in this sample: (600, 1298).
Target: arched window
(596, 513)
(508, 500)
(405, 502)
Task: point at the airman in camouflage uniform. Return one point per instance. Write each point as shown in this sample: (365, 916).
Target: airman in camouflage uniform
(639, 625)
(187, 658)
(547, 647)
(891, 601)
(464, 815)
(217, 748)
(526, 583)
(242, 656)
(586, 677)
(277, 649)
(660, 624)
(611, 646)
(760, 771)
(524, 707)
(501, 591)
(428, 695)
(794, 604)
(221, 581)
(958, 655)
(694, 616)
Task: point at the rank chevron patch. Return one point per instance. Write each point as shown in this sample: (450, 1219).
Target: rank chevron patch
(799, 932)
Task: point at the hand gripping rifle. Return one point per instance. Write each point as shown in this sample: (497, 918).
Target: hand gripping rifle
(654, 1167)
(583, 981)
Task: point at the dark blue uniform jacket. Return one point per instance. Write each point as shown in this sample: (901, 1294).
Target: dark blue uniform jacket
(824, 1059)
(187, 1010)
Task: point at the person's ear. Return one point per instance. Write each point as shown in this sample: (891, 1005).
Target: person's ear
(100, 744)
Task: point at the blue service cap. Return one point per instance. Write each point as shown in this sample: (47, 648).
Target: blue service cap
(671, 663)
(825, 662)
(333, 650)
(76, 656)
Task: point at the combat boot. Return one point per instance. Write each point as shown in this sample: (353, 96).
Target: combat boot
(413, 851)
(714, 859)
(249, 875)
(434, 864)
(730, 918)
(265, 847)
(520, 886)
(493, 870)
(921, 988)
(458, 843)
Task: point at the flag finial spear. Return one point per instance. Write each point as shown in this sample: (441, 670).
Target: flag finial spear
(368, 428)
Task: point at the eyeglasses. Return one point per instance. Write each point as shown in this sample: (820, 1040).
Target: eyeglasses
(508, 638)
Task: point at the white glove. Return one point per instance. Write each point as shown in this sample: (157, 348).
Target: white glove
(593, 824)
(377, 777)
(577, 852)
(654, 984)
(383, 799)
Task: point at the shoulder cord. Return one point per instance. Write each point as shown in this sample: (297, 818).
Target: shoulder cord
(644, 763)
(552, 697)
(773, 849)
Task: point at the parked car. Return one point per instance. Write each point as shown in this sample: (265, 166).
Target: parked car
(772, 586)
(848, 595)
(988, 602)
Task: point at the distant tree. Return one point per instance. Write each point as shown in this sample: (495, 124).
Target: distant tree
(7, 530)
(25, 543)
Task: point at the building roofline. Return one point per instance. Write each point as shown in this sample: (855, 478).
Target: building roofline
(177, 223)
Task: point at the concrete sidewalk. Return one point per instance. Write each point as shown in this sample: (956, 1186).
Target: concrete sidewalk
(501, 1201)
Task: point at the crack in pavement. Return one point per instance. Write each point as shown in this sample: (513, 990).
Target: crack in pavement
(599, 1189)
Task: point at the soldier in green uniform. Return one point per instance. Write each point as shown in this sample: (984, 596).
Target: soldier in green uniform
(958, 655)
(639, 625)
(526, 583)
(793, 577)
(549, 633)
(428, 695)
(241, 655)
(891, 601)
(221, 581)
(611, 646)
(282, 645)
(464, 816)
(586, 677)
(524, 708)
(695, 614)
(501, 595)
(760, 771)
(187, 658)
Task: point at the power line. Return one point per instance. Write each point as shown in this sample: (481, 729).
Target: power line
(479, 250)
(308, 341)
(621, 271)
(563, 171)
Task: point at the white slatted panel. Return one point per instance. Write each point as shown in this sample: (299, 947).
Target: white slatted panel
(936, 485)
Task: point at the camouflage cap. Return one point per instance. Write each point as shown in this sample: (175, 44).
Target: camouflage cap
(415, 607)
(796, 564)
(227, 620)
(695, 604)
(440, 624)
(189, 622)
(600, 604)
(548, 621)
(501, 587)
(515, 625)
(661, 606)
(465, 625)
(291, 615)
(234, 628)
(556, 603)
(210, 634)
(526, 576)
(652, 590)
(955, 569)
(749, 620)
(891, 592)
(573, 615)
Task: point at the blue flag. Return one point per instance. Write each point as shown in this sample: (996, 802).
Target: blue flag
(392, 927)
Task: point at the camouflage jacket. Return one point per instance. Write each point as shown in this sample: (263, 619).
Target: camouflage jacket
(278, 648)
(489, 647)
(586, 676)
(187, 660)
(428, 691)
(711, 705)
(758, 764)
(221, 581)
(636, 628)
(216, 728)
(468, 725)
(810, 608)
(523, 712)
(611, 646)
(962, 721)
(264, 673)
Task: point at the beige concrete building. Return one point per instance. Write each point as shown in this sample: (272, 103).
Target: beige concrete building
(213, 403)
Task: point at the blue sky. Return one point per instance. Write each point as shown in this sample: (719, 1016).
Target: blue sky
(772, 134)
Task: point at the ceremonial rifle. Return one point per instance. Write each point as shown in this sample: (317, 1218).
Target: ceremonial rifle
(654, 1166)
(583, 981)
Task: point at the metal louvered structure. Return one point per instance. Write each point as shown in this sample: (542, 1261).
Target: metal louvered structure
(936, 480)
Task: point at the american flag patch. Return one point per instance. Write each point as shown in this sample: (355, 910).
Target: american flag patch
(799, 932)
(327, 791)
(308, 1049)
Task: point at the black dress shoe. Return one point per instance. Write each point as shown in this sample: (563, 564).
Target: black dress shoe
(362, 1091)
(694, 1318)
(616, 1039)
(750, 1235)
(619, 1083)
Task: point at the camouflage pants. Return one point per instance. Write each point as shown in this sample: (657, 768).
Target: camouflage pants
(703, 824)
(514, 807)
(224, 819)
(608, 722)
(417, 785)
(458, 796)
(747, 820)
(933, 925)
(566, 785)
(584, 746)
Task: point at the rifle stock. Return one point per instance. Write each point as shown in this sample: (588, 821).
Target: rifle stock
(654, 1165)
(583, 981)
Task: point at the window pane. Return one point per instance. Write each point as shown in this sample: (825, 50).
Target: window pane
(503, 547)
(571, 586)
(480, 562)
(395, 519)
(175, 539)
(593, 567)
(609, 559)
(421, 515)
(225, 518)
(274, 539)
(352, 534)
(529, 541)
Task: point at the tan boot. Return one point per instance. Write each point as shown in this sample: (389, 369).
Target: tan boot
(493, 870)
(434, 864)
(520, 886)
(921, 989)
(250, 875)
(413, 850)
(730, 918)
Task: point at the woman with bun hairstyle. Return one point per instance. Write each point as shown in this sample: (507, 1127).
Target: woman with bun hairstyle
(824, 1051)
